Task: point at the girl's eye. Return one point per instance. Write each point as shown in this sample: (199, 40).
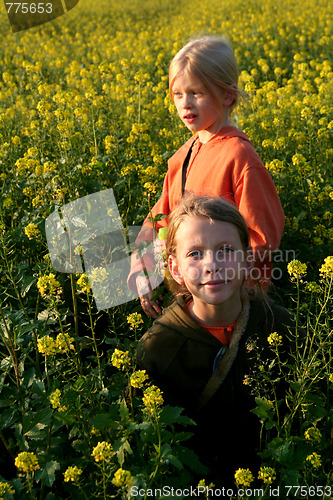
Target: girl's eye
(195, 254)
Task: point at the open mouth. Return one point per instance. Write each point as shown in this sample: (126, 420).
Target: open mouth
(189, 117)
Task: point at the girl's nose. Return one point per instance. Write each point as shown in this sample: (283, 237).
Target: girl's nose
(187, 101)
(211, 266)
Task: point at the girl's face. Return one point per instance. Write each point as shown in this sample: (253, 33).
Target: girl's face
(210, 261)
(197, 108)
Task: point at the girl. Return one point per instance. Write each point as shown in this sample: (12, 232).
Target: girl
(198, 352)
(218, 160)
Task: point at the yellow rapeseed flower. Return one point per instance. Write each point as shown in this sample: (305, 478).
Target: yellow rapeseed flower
(274, 339)
(134, 320)
(31, 230)
(55, 398)
(72, 474)
(139, 378)
(26, 461)
(243, 477)
(48, 285)
(296, 269)
(103, 451)
(64, 342)
(122, 478)
(314, 459)
(47, 346)
(5, 488)
(83, 283)
(267, 474)
(121, 359)
(152, 398)
(326, 270)
(313, 434)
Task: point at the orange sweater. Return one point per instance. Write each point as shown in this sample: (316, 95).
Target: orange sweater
(227, 166)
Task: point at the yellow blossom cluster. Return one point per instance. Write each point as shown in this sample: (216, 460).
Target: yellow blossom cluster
(48, 345)
(314, 459)
(121, 359)
(138, 379)
(326, 270)
(26, 461)
(55, 399)
(5, 488)
(312, 434)
(267, 474)
(244, 477)
(152, 399)
(31, 230)
(122, 478)
(72, 474)
(48, 286)
(102, 451)
(83, 283)
(134, 320)
(274, 339)
(296, 269)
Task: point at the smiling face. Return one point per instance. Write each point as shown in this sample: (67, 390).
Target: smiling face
(198, 109)
(210, 261)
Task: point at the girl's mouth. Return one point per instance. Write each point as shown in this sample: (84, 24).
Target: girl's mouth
(215, 283)
(189, 118)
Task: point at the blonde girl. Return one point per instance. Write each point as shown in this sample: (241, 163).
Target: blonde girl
(218, 160)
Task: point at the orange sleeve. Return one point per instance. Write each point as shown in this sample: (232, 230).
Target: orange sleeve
(259, 203)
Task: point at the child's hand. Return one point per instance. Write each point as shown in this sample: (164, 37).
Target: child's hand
(150, 307)
(159, 255)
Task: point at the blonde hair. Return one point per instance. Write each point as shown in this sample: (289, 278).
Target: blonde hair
(212, 61)
(214, 208)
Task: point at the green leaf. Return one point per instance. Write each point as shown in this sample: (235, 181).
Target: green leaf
(8, 418)
(27, 284)
(105, 420)
(175, 461)
(29, 376)
(120, 447)
(123, 410)
(65, 418)
(172, 415)
(37, 420)
(47, 473)
(189, 458)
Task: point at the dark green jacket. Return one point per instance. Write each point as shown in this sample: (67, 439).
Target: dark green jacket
(179, 356)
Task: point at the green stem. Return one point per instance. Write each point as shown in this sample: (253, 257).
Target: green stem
(13, 356)
(30, 488)
(104, 481)
(18, 295)
(152, 476)
(75, 308)
(95, 343)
